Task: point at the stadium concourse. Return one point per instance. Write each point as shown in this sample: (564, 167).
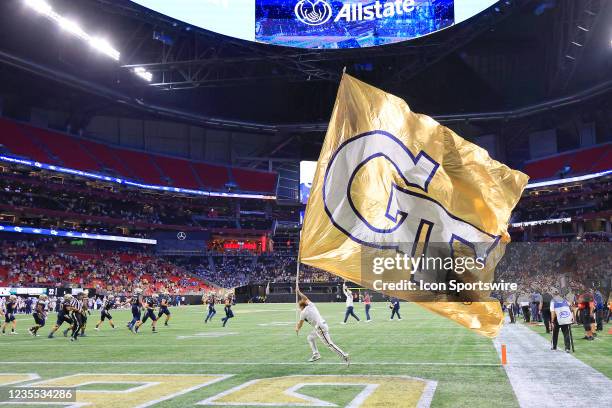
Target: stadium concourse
(187, 187)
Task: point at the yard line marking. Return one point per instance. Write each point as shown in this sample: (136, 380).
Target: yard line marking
(369, 363)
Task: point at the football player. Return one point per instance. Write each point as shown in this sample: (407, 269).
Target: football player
(149, 305)
(84, 312)
(63, 315)
(40, 315)
(228, 310)
(9, 314)
(164, 307)
(107, 306)
(136, 302)
(310, 314)
(210, 301)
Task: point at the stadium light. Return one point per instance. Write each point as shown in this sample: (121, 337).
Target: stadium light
(143, 73)
(40, 6)
(104, 47)
(98, 44)
(72, 27)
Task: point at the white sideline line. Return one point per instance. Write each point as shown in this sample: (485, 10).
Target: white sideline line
(369, 363)
(544, 378)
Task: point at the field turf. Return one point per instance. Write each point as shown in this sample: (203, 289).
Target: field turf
(597, 353)
(260, 342)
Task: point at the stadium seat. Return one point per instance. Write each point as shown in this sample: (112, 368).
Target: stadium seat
(54, 147)
(66, 148)
(252, 180)
(19, 143)
(215, 177)
(141, 165)
(178, 170)
(580, 162)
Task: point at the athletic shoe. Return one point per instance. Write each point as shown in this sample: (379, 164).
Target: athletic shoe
(96, 329)
(31, 332)
(342, 322)
(314, 358)
(66, 332)
(15, 333)
(50, 336)
(347, 360)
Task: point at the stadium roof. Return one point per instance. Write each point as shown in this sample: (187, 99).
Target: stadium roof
(517, 54)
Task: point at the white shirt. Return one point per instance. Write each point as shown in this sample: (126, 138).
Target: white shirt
(349, 298)
(311, 315)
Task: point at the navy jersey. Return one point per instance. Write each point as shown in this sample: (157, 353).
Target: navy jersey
(163, 301)
(151, 303)
(41, 306)
(65, 306)
(135, 300)
(10, 307)
(108, 305)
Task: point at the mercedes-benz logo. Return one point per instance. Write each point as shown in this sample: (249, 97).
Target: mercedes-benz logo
(181, 235)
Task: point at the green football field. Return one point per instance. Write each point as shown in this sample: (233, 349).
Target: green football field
(597, 354)
(423, 358)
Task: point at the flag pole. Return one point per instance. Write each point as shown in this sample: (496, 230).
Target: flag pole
(297, 276)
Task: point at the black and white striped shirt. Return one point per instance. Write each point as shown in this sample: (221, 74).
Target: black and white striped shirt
(76, 305)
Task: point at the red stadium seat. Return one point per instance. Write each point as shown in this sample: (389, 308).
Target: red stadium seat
(215, 177)
(66, 148)
(107, 157)
(142, 165)
(179, 171)
(53, 147)
(252, 180)
(581, 162)
(19, 143)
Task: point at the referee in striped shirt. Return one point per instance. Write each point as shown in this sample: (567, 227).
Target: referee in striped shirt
(76, 313)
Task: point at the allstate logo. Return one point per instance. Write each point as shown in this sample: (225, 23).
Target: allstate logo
(313, 12)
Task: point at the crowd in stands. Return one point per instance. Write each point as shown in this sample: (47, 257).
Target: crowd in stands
(46, 263)
(566, 201)
(571, 268)
(43, 199)
(233, 271)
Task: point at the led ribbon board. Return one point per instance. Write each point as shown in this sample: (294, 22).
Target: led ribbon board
(117, 180)
(74, 234)
(321, 23)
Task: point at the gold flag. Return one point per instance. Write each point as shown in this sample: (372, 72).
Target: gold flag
(392, 180)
